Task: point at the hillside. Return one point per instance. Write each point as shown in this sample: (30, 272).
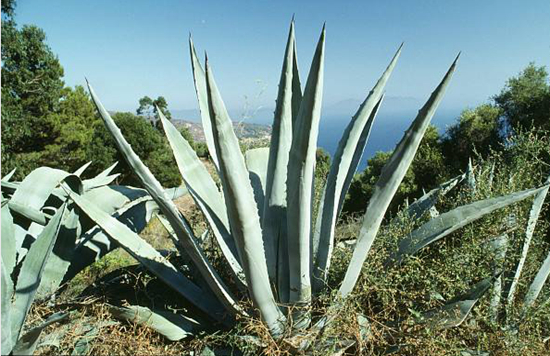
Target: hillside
(243, 130)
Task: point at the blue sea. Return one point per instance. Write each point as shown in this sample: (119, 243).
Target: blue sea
(386, 132)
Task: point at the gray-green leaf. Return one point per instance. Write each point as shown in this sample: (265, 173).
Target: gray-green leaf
(390, 179)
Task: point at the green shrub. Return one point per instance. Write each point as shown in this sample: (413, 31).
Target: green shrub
(147, 142)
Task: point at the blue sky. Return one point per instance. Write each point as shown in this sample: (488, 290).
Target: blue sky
(128, 49)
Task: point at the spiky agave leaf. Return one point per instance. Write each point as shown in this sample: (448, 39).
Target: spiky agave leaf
(390, 178)
(274, 209)
(172, 326)
(256, 162)
(498, 246)
(81, 170)
(31, 271)
(37, 187)
(103, 178)
(471, 177)
(70, 254)
(322, 250)
(8, 240)
(150, 258)
(32, 193)
(241, 209)
(205, 193)
(33, 215)
(181, 227)
(6, 291)
(536, 286)
(429, 199)
(453, 220)
(95, 243)
(61, 256)
(199, 79)
(301, 167)
(28, 342)
(454, 312)
(347, 157)
(8, 176)
(531, 224)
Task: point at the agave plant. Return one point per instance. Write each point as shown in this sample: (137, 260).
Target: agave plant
(277, 253)
(46, 242)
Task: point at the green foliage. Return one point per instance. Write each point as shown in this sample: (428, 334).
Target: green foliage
(72, 131)
(427, 170)
(32, 87)
(475, 132)
(45, 123)
(187, 135)
(525, 100)
(148, 108)
(202, 149)
(147, 142)
(8, 10)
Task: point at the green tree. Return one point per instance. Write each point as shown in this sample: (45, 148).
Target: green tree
(148, 109)
(72, 129)
(525, 100)
(32, 87)
(8, 10)
(147, 142)
(476, 131)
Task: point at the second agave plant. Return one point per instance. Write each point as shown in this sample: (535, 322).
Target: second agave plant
(263, 221)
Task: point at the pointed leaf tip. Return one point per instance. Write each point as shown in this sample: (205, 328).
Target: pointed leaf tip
(322, 36)
(456, 59)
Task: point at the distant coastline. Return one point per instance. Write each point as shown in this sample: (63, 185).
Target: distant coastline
(386, 132)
